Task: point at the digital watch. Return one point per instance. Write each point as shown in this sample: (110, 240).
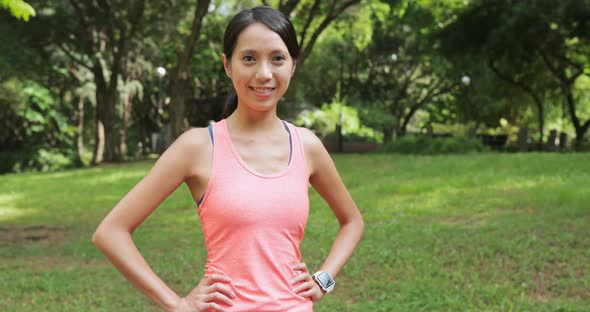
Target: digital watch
(324, 280)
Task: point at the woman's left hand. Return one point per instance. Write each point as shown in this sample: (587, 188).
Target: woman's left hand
(307, 286)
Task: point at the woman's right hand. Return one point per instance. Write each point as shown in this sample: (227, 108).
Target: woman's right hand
(211, 291)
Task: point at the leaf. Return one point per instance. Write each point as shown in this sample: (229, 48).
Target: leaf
(19, 9)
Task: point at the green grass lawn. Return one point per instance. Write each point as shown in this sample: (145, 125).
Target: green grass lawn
(491, 232)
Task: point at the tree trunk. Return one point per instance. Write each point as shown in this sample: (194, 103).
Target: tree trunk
(106, 99)
(112, 152)
(400, 131)
(580, 134)
(99, 143)
(387, 135)
(125, 122)
(80, 135)
(541, 115)
(406, 119)
(177, 109)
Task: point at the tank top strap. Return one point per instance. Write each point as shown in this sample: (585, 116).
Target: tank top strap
(222, 152)
(298, 154)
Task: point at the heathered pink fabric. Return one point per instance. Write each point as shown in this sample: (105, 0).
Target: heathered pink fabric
(253, 225)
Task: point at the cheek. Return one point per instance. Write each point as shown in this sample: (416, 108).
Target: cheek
(284, 76)
(242, 77)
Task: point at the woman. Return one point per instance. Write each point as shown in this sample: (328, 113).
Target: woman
(250, 174)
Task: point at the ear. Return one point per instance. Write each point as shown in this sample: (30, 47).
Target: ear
(293, 70)
(226, 65)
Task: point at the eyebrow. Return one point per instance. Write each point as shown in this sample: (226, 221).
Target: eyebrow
(252, 51)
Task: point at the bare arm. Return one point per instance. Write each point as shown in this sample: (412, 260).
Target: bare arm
(113, 236)
(327, 182)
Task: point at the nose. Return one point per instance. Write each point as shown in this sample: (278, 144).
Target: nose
(264, 72)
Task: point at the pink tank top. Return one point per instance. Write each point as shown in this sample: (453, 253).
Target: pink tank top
(253, 225)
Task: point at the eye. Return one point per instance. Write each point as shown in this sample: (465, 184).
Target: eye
(279, 59)
(248, 59)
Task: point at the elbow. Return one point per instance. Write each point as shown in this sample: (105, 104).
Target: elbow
(108, 234)
(97, 237)
(361, 226)
(355, 224)
(101, 236)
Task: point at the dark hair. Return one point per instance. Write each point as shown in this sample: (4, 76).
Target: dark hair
(273, 19)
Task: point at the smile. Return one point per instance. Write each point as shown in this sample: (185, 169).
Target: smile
(262, 90)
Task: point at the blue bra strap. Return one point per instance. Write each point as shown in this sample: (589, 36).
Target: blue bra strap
(211, 134)
(290, 141)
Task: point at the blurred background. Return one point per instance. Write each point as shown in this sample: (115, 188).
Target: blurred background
(85, 82)
(460, 128)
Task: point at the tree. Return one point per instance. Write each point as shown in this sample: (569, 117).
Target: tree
(534, 45)
(403, 73)
(180, 74)
(99, 36)
(84, 92)
(311, 18)
(110, 39)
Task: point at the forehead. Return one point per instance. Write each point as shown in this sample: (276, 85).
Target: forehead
(259, 37)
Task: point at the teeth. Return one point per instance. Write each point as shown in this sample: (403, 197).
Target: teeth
(262, 90)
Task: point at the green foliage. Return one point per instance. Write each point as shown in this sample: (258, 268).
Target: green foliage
(12, 126)
(400, 72)
(43, 116)
(538, 47)
(324, 121)
(11, 95)
(361, 30)
(35, 159)
(377, 118)
(425, 145)
(19, 8)
(36, 133)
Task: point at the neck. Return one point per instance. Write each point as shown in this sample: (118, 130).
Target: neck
(248, 120)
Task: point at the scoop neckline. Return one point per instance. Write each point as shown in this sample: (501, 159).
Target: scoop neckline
(237, 156)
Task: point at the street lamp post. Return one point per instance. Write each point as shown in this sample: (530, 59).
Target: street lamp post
(466, 81)
(161, 73)
(156, 137)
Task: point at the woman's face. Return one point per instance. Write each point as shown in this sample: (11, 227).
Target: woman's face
(260, 68)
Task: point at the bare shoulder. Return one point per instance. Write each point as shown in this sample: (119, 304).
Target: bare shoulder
(191, 141)
(195, 138)
(188, 150)
(311, 142)
(315, 152)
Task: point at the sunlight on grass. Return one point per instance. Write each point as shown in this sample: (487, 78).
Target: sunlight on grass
(114, 177)
(11, 213)
(8, 208)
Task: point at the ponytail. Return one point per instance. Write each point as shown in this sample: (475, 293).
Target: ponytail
(231, 103)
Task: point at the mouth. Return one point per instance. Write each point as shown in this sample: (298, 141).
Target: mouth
(262, 90)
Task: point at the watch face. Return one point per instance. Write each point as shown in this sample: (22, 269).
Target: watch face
(325, 279)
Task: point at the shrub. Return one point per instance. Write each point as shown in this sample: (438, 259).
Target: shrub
(413, 144)
(351, 137)
(40, 159)
(323, 122)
